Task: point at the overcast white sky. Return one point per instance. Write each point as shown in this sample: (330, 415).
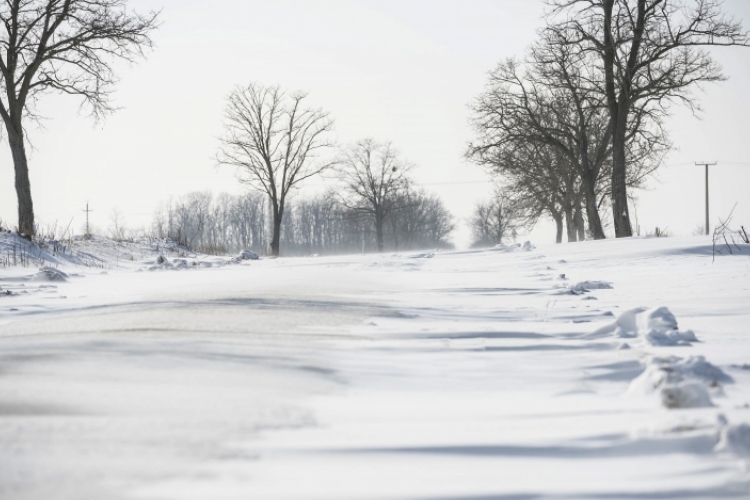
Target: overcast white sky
(400, 70)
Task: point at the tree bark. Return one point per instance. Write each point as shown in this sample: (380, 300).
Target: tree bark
(23, 186)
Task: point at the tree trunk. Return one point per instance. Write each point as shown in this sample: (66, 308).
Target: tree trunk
(379, 219)
(618, 110)
(559, 222)
(570, 225)
(23, 186)
(275, 242)
(578, 219)
(592, 210)
(620, 212)
(395, 233)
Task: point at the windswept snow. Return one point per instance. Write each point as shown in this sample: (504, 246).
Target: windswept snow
(427, 376)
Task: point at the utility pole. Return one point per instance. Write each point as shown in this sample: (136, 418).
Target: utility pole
(88, 233)
(706, 164)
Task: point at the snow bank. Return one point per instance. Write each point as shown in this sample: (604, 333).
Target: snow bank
(657, 327)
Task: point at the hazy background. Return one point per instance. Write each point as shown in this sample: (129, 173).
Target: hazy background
(400, 70)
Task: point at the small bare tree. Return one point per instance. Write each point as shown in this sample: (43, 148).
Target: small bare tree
(373, 175)
(66, 47)
(118, 230)
(275, 142)
(492, 221)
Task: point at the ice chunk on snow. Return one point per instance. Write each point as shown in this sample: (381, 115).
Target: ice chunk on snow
(50, 274)
(670, 337)
(659, 318)
(685, 395)
(681, 382)
(180, 263)
(526, 246)
(659, 327)
(656, 326)
(428, 255)
(586, 286)
(248, 255)
(661, 372)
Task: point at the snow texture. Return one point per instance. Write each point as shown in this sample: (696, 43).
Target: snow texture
(469, 375)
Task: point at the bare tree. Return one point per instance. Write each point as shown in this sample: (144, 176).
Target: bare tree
(421, 221)
(275, 142)
(118, 230)
(651, 52)
(373, 174)
(554, 98)
(65, 47)
(491, 221)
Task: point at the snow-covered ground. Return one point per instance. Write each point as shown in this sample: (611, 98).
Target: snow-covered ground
(611, 369)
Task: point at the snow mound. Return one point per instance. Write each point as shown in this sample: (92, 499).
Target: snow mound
(657, 327)
(734, 439)
(680, 382)
(428, 255)
(248, 255)
(49, 274)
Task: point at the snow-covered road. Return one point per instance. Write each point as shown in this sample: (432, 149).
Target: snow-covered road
(498, 374)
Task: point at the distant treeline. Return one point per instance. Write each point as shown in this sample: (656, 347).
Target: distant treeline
(224, 223)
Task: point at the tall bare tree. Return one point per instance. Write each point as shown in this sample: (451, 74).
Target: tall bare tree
(551, 142)
(373, 175)
(651, 52)
(554, 98)
(275, 142)
(65, 47)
